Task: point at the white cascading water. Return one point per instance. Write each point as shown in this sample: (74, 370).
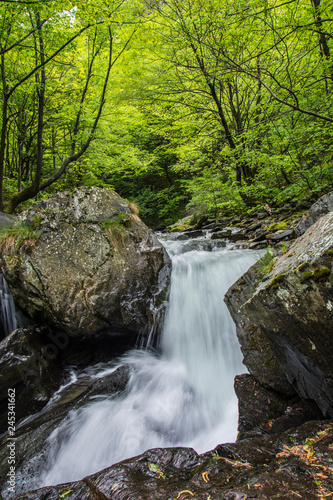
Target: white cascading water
(8, 321)
(185, 396)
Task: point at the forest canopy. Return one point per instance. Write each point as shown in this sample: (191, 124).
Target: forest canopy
(185, 106)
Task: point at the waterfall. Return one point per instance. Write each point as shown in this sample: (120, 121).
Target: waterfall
(8, 322)
(183, 397)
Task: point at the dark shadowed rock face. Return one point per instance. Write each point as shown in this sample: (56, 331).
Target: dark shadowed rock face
(293, 308)
(259, 357)
(25, 370)
(265, 411)
(95, 264)
(265, 468)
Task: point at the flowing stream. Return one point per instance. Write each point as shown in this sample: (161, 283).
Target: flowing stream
(184, 396)
(8, 321)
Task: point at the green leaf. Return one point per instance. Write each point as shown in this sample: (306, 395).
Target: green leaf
(64, 493)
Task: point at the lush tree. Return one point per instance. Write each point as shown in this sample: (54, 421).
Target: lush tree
(55, 72)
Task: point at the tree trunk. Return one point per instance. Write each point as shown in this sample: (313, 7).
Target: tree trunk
(3, 127)
(324, 48)
(41, 104)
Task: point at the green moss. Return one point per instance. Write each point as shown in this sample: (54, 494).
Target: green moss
(275, 281)
(321, 274)
(121, 220)
(330, 251)
(302, 266)
(277, 226)
(306, 276)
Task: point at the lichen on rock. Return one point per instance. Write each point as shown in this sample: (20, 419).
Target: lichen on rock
(96, 265)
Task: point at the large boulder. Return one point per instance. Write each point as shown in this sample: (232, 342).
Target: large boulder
(86, 262)
(293, 309)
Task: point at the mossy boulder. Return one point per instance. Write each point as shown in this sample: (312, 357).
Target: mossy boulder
(292, 308)
(94, 265)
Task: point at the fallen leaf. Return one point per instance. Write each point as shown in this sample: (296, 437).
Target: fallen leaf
(205, 477)
(186, 492)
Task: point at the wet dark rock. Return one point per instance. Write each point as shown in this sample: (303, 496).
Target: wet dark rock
(95, 265)
(207, 245)
(211, 226)
(264, 411)
(182, 237)
(194, 234)
(261, 215)
(289, 314)
(28, 369)
(252, 227)
(257, 244)
(286, 208)
(267, 468)
(237, 236)
(283, 235)
(31, 447)
(303, 205)
(200, 223)
(322, 206)
(261, 236)
(189, 233)
(221, 235)
(259, 357)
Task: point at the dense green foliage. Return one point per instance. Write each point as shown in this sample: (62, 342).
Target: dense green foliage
(205, 106)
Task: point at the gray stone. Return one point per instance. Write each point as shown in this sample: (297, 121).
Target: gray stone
(322, 206)
(293, 310)
(95, 265)
(6, 220)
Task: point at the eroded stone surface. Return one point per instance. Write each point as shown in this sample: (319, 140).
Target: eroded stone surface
(318, 210)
